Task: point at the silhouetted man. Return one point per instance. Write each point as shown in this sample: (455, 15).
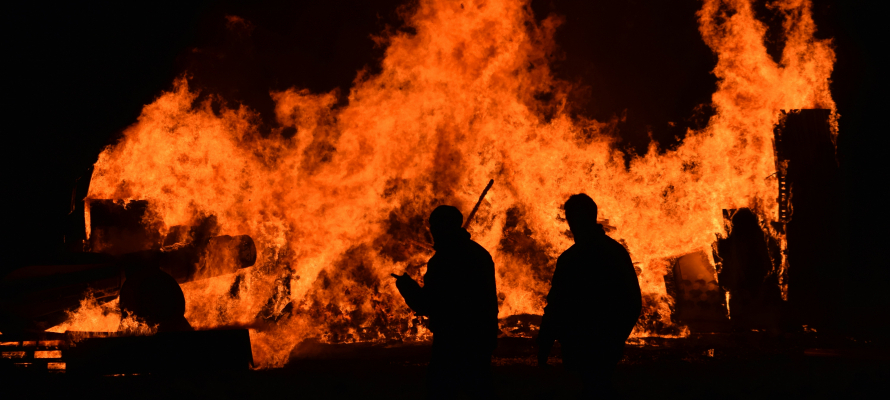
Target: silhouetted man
(594, 300)
(460, 298)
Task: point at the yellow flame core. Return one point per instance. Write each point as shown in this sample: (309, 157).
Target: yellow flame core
(453, 106)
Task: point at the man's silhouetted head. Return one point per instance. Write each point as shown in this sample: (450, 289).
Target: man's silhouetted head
(445, 223)
(581, 215)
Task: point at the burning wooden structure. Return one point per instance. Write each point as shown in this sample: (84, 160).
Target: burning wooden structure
(323, 215)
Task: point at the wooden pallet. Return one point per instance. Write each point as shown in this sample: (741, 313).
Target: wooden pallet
(37, 355)
(106, 353)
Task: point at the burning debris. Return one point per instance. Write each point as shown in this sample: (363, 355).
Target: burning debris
(295, 235)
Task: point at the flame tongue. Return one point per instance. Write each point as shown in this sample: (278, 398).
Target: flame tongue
(335, 209)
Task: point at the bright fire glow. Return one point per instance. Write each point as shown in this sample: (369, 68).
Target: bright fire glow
(333, 210)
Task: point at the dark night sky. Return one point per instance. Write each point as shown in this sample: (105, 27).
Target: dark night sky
(81, 74)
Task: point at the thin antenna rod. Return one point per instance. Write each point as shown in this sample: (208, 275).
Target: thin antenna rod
(478, 203)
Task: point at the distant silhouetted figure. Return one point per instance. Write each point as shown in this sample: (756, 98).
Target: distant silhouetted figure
(460, 298)
(755, 299)
(594, 300)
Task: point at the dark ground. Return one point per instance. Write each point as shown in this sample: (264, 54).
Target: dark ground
(743, 366)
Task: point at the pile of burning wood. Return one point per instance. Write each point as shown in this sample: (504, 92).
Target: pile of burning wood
(139, 273)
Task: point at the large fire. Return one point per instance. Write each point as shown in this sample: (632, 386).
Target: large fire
(337, 207)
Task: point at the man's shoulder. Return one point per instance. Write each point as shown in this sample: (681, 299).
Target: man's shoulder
(609, 245)
(574, 254)
(615, 245)
(478, 250)
(569, 252)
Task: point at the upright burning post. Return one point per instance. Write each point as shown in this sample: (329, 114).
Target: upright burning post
(809, 207)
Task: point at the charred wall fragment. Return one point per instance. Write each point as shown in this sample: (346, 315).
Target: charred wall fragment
(805, 155)
(118, 228)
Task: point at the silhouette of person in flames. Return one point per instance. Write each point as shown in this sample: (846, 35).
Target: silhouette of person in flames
(594, 300)
(460, 298)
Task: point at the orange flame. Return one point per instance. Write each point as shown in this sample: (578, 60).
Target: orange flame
(335, 208)
(92, 316)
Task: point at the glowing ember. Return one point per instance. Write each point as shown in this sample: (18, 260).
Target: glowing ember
(56, 366)
(48, 354)
(340, 205)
